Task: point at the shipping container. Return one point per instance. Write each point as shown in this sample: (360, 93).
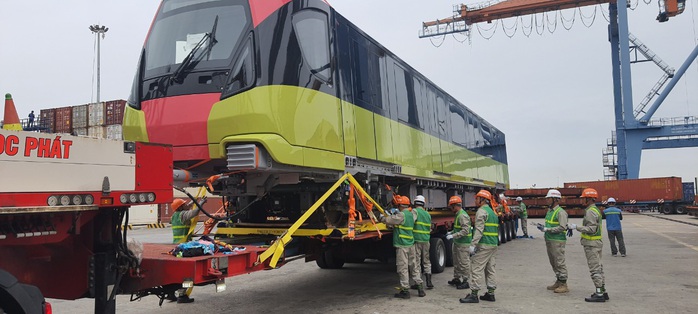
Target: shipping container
(96, 114)
(542, 192)
(114, 132)
(97, 131)
(80, 131)
(114, 111)
(47, 120)
(64, 120)
(665, 193)
(689, 192)
(80, 115)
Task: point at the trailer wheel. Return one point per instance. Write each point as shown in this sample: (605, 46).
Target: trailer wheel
(330, 259)
(502, 232)
(448, 250)
(437, 255)
(681, 209)
(667, 209)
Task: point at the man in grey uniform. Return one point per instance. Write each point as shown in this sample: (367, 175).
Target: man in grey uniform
(593, 245)
(461, 237)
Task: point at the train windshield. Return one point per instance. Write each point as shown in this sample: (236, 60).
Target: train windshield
(202, 34)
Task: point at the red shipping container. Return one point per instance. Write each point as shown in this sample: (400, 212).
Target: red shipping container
(47, 120)
(654, 190)
(114, 111)
(64, 120)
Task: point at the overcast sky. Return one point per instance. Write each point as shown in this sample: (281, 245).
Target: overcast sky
(550, 94)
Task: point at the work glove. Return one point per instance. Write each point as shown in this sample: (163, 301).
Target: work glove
(569, 233)
(449, 236)
(472, 249)
(394, 211)
(540, 227)
(572, 226)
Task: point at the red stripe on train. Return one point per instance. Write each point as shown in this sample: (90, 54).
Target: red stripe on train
(261, 9)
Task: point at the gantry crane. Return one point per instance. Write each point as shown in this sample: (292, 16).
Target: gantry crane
(635, 130)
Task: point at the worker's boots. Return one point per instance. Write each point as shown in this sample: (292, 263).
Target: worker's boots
(403, 294)
(562, 288)
(487, 297)
(420, 291)
(463, 285)
(455, 282)
(429, 284)
(470, 298)
(555, 285)
(184, 299)
(595, 298)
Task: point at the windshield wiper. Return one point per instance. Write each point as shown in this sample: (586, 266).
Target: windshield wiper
(189, 61)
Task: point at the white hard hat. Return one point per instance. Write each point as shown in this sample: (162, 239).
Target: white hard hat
(554, 193)
(611, 200)
(419, 200)
(519, 199)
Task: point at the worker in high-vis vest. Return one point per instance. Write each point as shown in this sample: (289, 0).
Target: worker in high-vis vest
(483, 249)
(422, 235)
(462, 237)
(555, 229)
(523, 214)
(183, 221)
(403, 240)
(593, 245)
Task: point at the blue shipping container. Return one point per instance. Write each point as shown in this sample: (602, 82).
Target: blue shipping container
(688, 192)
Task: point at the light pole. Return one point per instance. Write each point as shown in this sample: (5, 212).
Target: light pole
(97, 29)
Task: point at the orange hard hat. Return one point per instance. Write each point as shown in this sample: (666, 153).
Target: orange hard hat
(404, 200)
(455, 200)
(589, 192)
(484, 194)
(177, 203)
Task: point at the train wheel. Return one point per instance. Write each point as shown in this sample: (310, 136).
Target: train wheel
(437, 255)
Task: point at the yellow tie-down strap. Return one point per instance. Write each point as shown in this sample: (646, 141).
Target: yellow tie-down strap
(277, 248)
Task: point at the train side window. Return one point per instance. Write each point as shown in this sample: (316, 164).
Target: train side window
(367, 75)
(408, 111)
(458, 124)
(312, 30)
(243, 71)
(443, 120)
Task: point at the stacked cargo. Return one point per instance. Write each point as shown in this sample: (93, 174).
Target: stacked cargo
(113, 115)
(64, 118)
(537, 204)
(95, 121)
(80, 120)
(664, 193)
(47, 120)
(100, 120)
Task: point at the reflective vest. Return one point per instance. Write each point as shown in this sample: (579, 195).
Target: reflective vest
(422, 228)
(403, 235)
(524, 212)
(179, 229)
(457, 228)
(597, 234)
(490, 235)
(551, 221)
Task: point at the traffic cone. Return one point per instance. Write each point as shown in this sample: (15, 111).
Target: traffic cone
(11, 120)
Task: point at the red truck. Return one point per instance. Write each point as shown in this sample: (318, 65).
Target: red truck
(63, 201)
(666, 194)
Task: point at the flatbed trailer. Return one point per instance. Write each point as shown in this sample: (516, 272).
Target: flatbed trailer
(64, 202)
